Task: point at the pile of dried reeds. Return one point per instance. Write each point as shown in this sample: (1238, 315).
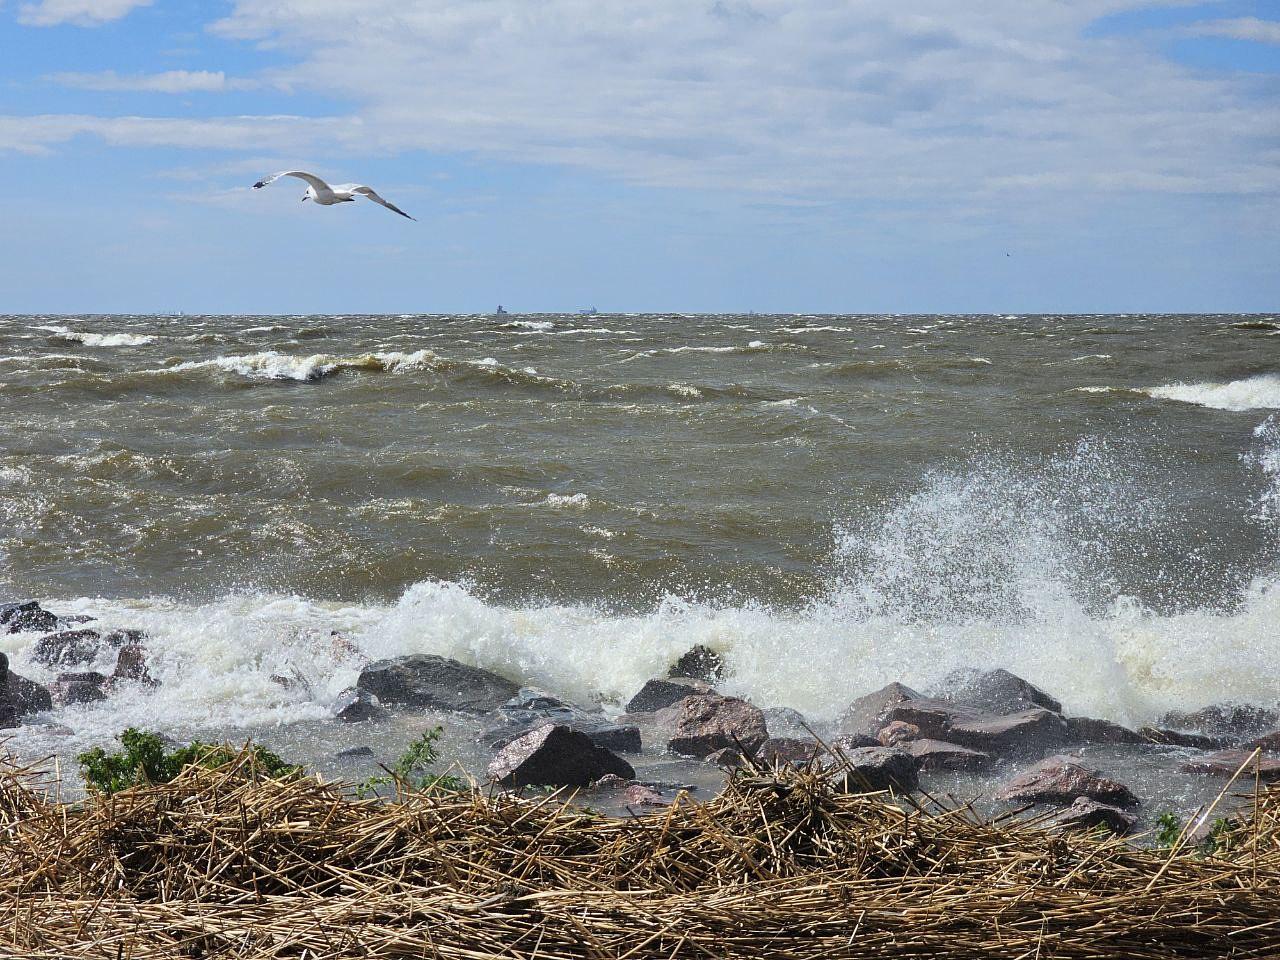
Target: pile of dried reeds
(227, 864)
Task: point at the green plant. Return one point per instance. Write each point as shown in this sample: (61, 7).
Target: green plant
(413, 769)
(1219, 836)
(1168, 829)
(144, 760)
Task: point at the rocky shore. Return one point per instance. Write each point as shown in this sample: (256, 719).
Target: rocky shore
(1008, 740)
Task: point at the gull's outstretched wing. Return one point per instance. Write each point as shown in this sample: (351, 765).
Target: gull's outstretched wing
(373, 195)
(311, 178)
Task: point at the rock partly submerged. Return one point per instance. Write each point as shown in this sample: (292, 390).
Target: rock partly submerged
(427, 681)
(706, 723)
(555, 755)
(1061, 780)
(531, 708)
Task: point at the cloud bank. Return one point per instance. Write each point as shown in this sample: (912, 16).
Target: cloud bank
(82, 13)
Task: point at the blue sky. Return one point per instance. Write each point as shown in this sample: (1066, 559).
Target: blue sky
(699, 155)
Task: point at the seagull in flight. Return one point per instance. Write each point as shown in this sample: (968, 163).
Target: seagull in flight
(327, 196)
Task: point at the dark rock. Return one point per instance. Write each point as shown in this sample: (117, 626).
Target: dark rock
(68, 648)
(20, 697)
(726, 757)
(530, 709)
(123, 638)
(659, 694)
(938, 755)
(866, 715)
(26, 617)
(996, 691)
(1029, 731)
(700, 663)
(791, 751)
(1086, 814)
(353, 753)
(897, 732)
(708, 722)
(555, 755)
(854, 741)
(611, 781)
(8, 715)
(642, 795)
(1232, 721)
(1092, 730)
(1269, 742)
(354, 705)
(1174, 738)
(1225, 763)
(867, 769)
(292, 681)
(131, 664)
(1062, 781)
(424, 680)
(85, 687)
(785, 722)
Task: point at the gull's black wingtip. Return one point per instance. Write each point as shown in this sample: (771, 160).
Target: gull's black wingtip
(260, 184)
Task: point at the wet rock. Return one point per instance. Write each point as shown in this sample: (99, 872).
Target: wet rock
(20, 697)
(555, 755)
(123, 638)
(642, 795)
(939, 755)
(854, 741)
(354, 753)
(84, 687)
(1086, 814)
(291, 681)
(1269, 742)
(995, 691)
(611, 781)
(897, 732)
(708, 722)
(659, 694)
(1026, 732)
(67, 649)
(1231, 721)
(1060, 780)
(700, 663)
(531, 708)
(792, 751)
(868, 769)
(785, 722)
(866, 715)
(1225, 763)
(131, 664)
(726, 757)
(425, 680)
(1092, 730)
(26, 617)
(354, 705)
(1175, 738)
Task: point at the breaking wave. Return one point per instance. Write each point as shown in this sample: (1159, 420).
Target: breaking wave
(99, 339)
(1252, 393)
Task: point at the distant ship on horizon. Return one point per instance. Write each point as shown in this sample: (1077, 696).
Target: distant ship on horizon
(589, 312)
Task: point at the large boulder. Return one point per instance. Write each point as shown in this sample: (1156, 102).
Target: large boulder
(1230, 721)
(868, 769)
(84, 687)
(866, 715)
(1061, 780)
(427, 681)
(708, 722)
(939, 755)
(69, 648)
(27, 617)
(20, 696)
(995, 691)
(699, 663)
(1226, 763)
(1025, 732)
(1086, 814)
(530, 709)
(1093, 730)
(555, 755)
(659, 694)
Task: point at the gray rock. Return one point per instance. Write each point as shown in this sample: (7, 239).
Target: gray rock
(700, 663)
(68, 648)
(355, 705)
(424, 680)
(354, 753)
(1093, 730)
(938, 755)
(854, 741)
(84, 687)
(131, 664)
(866, 715)
(708, 722)
(1269, 742)
(726, 757)
(868, 769)
(1086, 814)
(1029, 731)
(555, 755)
(27, 617)
(1176, 738)
(530, 709)
(1225, 763)
(995, 691)
(659, 694)
(20, 697)
(897, 732)
(794, 751)
(123, 638)
(1231, 721)
(1061, 780)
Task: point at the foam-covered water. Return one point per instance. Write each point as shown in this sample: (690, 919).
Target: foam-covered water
(830, 502)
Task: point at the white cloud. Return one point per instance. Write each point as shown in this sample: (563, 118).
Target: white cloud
(1242, 28)
(170, 81)
(83, 13)
(37, 134)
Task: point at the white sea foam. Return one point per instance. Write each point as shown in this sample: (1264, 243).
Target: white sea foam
(272, 365)
(98, 339)
(568, 501)
(1261, 392)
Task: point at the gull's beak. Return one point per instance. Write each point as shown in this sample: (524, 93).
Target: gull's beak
(306, 197)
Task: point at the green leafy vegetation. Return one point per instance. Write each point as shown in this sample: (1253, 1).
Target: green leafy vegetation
(413, 769)
(145, 760)
(1168, 829)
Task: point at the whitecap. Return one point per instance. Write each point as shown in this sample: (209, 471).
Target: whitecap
(1260, 392)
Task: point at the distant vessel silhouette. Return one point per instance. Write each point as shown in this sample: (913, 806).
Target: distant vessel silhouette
(589, 312)
(500, 312)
